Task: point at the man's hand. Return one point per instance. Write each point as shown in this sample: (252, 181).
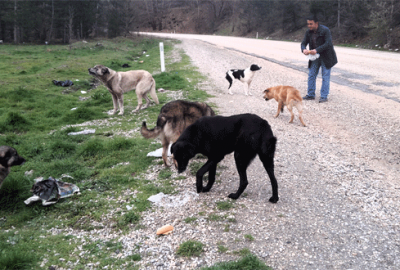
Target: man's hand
(313, 52)
(306, 52)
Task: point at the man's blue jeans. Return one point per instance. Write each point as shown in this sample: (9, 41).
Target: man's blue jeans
(312, 77)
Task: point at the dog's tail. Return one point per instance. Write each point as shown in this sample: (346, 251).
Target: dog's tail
(229, 78)
(153, 93)
(150, 133)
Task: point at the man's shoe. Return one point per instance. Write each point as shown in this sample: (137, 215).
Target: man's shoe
(321, 100)
(307, 97)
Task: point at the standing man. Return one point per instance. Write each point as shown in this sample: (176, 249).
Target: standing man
(319, 40)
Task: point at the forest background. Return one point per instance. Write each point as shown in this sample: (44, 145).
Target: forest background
(369, 23)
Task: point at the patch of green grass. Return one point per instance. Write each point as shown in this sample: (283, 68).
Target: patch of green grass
(227, 228)
(165, 173)
(222, 249)
(190, 248)
(243, 252)
(248, 262)
(15, 122)
(135, 257)
(249, 237)
(190, 219)
(171, 81)
(13, 258)
(129, 218)
(194, 167)
(215, 217)
(224, 205)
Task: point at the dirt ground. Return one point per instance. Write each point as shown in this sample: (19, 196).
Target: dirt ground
(338, 179)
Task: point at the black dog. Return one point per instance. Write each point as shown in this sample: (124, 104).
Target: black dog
(8, 158)
(245, 134)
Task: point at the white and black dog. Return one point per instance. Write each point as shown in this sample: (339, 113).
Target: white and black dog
(243, 75)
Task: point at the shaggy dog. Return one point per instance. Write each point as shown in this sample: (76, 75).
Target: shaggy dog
(120, 82)
(247, 135)
(286, 95)
(243, 75)
(8, 158)
(174, 117)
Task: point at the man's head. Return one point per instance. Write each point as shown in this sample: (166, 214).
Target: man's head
(312, 23)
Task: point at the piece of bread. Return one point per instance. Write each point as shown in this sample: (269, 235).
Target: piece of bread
(167, 229)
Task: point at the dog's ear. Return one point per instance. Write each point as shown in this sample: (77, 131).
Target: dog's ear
(4, 157)
(105, 70)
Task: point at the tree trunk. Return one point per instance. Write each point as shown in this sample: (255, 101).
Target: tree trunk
(15, 23)
(52, 21)
(70, 22)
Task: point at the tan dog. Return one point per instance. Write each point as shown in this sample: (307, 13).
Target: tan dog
(8, 158)
(119, 83)
(286, 95)
(174, 118)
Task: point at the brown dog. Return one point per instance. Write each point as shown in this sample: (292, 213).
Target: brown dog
(286, 95)
(174, 118)
(120, 82)
(8, 158)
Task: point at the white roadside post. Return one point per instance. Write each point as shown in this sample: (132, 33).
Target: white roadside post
(162, 57)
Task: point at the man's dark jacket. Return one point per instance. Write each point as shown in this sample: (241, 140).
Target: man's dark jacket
(324, 46)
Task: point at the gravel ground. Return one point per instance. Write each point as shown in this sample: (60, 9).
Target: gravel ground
(338, 182)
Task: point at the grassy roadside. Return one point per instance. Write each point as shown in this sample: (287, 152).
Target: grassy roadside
(108, 166)
(36, 117)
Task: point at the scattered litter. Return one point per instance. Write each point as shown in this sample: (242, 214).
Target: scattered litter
(49, 191)
(161, 90)
(164, 200)
(29, 173)
(147, 55)
(73, 109)
(312, 57)
(77, 80)
(128, 207)
(158, 152)
(167, 229)
(125, 65)
(83, 132)
(65, 83)
(83, 92)
(120, 164)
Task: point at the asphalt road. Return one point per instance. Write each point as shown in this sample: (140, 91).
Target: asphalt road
(371, 71)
